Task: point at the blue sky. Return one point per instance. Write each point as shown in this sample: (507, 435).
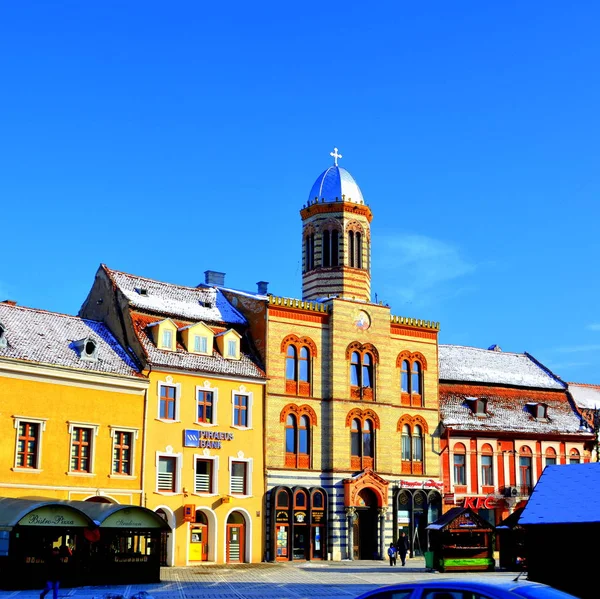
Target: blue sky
(165, 139)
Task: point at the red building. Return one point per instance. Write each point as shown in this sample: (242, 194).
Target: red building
(504, 418)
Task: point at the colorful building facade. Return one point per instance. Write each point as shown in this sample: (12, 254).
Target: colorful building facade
(504, 418)
(352, 396)
(203, 466)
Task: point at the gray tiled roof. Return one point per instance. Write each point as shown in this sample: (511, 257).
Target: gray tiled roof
(472, 364)
(49, 338)
(206, 304)
(507, 413)
(585, 396)
(565, 494)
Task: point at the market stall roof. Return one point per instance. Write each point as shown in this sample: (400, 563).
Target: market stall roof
(511, 521)
(552, 500)
(85, 513)
(455, 513)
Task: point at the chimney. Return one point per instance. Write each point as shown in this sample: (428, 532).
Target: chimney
(262, 287)
(212, 277)
(9, 302)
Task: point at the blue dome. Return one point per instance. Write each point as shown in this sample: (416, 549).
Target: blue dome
(336, 183)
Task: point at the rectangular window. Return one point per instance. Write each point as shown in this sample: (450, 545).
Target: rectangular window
(122, 446)
(167, 338)
(231, 348)
(200, 344)
(205, 406)
(81, 449)
(167, 467)
(460, 477)
(238, 478)
(167, 402)
(204, 476)
(550, 461)
(28, 445)
(487, 472)
(240, 410)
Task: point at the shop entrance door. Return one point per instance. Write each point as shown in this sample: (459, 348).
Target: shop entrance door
(300, 541)
(236, 531)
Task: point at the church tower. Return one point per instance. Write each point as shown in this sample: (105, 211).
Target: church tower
(336, 238)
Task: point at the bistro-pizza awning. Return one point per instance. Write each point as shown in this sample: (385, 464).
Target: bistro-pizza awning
(88, 514)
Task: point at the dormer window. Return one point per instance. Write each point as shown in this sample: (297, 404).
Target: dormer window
(198, 338)
(167, 339)
(200, 344)
(231, 348)
(478, 406)
(164, 334)
(141, 291)
(228, 343)
(538, 410)
(87, 348)
(2, 335)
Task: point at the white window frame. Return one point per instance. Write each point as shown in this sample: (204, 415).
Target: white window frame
(250, 396)
(41, 422)
(214, 390)
(94, 427)
(134, 436)
(249, 467)
(232, 344)
(214, 483)
(178, 459)
(199, 338)
(168, 382)
(163, 345)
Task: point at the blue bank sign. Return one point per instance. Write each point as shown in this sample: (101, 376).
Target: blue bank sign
(209, 439)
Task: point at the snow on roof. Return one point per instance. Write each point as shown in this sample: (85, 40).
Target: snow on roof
(206, 304)
(552, 499)
(49, 338)
(182, 359)
(459, 363)
(507, 411)
(585, 396)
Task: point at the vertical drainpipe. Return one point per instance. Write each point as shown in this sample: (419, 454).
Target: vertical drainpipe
(145, 429)
(267, 533)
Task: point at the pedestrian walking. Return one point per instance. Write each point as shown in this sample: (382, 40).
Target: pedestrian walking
(402, 547)
(392, 554)
(53, 572)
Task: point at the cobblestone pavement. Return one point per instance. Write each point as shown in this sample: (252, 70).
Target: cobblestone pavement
(333, 580)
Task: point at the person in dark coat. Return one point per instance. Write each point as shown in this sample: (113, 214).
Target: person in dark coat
(402, 547)
(54, 565)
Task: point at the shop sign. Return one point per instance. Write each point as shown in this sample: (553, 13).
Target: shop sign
(53, 516)
(129, 518)
(317, 516)
(488, 502)
(300, 517)
(403, 517)
(281, 516)
(426, 484)
(209, 439)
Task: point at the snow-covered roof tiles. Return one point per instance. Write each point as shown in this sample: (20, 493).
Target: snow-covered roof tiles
(182, 359)
(206, 304)
(49, 338)
(507, 411)
(585, 396)
(472, 364)
(552, 500)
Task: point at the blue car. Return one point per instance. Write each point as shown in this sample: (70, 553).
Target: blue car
(461, 589)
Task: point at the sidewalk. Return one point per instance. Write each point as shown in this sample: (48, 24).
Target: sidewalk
(296, 580)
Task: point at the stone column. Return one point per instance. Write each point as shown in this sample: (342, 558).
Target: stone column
(382, 513)
(350, 517)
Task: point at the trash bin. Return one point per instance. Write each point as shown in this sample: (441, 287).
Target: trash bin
(429, 559)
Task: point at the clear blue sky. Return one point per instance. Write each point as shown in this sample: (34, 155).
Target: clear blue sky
(165, 139)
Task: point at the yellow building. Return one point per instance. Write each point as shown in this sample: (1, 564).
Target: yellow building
(204, 465)
(71, 410)
(352, 453)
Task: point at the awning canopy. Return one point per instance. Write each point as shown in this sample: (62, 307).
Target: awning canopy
(63, 513)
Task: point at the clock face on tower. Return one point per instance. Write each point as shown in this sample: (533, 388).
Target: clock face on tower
(362, 321)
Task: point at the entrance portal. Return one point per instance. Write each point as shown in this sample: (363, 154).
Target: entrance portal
(199, 538)
(365, 526)
(236, 531)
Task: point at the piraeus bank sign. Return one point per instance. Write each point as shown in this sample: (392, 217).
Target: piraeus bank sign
(209, 439)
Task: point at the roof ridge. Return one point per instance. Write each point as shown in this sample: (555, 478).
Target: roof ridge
(51, 312)
(512, 353)
(546, 369)
(584, 384)
(128, 274)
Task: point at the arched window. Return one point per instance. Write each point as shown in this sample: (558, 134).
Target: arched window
(550, 457)
(460, 463)
(358, 260)
(282, 499)
(415, 378)
(487, 465)
(417, 438)
(574, 457)
(351, 248)
(309, 251)
(406, 449)
(298, 365)
(298, 428)
(404, 381)
(335, 248)
(362, 438)
(368, 440)
(318, 500)
(300, 499)
(326, 249)
(362, 375)
(355, 438)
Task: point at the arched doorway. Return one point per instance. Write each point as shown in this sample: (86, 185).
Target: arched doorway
(415, 510)
(99, 499)
(365, 525)
(164, 539)
(199, 538)
(236, 532)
